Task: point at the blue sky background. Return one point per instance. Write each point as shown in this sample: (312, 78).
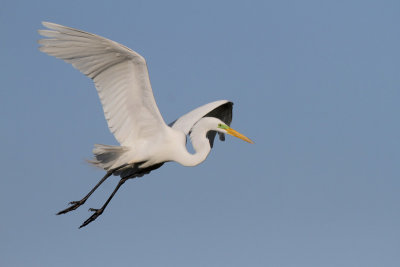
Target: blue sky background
(315, 85)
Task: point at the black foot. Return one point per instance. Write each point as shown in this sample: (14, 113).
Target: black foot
(75, 205)
(97, 213)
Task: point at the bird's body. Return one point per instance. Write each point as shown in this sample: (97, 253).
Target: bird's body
(123, 85)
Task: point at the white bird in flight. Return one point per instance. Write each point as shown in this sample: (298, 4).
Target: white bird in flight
(122, 82)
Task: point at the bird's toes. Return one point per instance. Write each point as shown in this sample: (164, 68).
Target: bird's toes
(76, 202)
(73, 206)
(97, 213)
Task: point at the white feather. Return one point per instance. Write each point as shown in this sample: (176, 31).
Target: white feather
(123, 85)
(120, 76)
(186, 122)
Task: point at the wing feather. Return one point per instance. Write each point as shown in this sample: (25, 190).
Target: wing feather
(120, 76)
(221, 109)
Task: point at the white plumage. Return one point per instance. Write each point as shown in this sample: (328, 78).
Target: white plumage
(122, 82)
(120, 76)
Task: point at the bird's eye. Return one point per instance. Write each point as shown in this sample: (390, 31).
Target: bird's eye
(219, 125)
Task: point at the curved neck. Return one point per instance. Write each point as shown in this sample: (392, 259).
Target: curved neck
(201, 146)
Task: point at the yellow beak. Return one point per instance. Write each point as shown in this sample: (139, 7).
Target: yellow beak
(238, 135)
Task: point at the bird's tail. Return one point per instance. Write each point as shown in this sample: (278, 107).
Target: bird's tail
(106, 156)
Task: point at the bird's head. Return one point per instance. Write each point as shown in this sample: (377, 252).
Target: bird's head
(207, 124)
(223, 128)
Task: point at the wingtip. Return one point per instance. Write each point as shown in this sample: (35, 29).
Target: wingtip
(42, 32)
(50, 25)
(45, 23)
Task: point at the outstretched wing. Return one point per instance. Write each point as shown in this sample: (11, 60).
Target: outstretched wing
(221, 109)
(120, 76)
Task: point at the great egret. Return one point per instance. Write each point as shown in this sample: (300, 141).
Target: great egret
(122, 82)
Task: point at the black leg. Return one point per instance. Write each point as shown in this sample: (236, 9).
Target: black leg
(77, 204)
(98, 212)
